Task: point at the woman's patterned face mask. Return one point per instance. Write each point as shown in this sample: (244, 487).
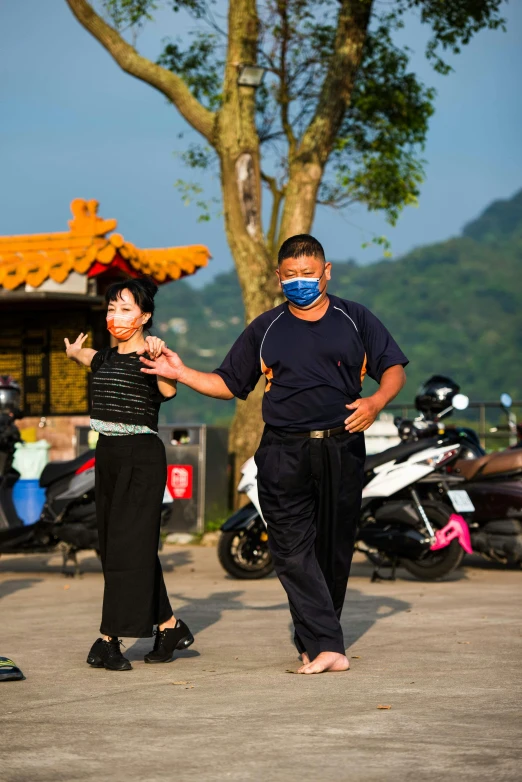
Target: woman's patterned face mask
(123, 326)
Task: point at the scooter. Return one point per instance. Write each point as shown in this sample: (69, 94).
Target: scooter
(488, 492)
(67, 522)
(427, 538)
(68, 518)
(485, 488)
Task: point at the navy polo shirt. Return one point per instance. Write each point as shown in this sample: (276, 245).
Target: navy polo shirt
(312, 368)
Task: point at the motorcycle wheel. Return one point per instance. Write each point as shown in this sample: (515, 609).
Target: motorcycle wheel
(436, 564)
(243, 554)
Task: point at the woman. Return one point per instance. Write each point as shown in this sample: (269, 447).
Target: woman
(131, 473)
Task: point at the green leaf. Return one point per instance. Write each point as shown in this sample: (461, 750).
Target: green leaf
(200, 65)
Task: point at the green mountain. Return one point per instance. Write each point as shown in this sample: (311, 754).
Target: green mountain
(453, 307)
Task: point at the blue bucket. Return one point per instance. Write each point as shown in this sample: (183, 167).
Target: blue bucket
(28, 499)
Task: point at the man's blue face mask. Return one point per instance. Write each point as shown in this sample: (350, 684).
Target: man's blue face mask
(302, 291)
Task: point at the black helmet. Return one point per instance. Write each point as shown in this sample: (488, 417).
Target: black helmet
(435, 395)
(10, 395)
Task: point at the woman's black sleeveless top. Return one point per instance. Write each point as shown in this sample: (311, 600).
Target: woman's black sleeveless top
(121, 393)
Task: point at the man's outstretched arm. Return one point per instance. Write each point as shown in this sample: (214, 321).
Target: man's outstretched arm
(170, 365)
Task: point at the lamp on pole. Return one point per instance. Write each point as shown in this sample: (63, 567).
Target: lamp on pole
(250, 75)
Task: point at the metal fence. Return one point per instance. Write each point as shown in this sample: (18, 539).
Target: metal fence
(489, 420)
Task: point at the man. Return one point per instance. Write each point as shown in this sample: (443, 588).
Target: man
(314, 351)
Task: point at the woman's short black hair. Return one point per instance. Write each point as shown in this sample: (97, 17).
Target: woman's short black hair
(142, 289)
(300, 245)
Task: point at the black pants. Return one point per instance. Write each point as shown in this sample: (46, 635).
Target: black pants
(310, 495)
(131, 471)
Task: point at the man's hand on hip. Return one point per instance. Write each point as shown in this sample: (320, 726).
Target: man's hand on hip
(365, 412)
(367, 409)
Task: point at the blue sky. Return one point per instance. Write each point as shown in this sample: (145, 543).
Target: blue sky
(72, 124)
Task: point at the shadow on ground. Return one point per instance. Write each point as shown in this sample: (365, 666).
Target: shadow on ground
(48, 563)
(175, 559)
(364, 569)
(361, 612)
(15, 585)
(200, 613)
(203, 612)
(89, 562)
(478, 562)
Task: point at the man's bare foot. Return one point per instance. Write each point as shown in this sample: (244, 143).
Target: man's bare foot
(305, 659)
(326, 662)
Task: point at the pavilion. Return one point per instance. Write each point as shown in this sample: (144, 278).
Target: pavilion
(52, 286)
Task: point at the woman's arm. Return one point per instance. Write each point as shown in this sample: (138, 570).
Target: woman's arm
(79, 354)
(168, 388)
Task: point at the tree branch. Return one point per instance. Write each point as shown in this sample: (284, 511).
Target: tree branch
(243, 33)
(337, 202)
(277, 196)
(306, 170)
(334, 97)
(284, 98)
(129, 60)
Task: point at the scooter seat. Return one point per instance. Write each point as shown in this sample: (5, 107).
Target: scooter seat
(397, 452)
(468, 468)
(55, 470)
(491, 464)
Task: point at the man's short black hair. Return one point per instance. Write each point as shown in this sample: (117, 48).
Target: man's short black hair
(299, 245)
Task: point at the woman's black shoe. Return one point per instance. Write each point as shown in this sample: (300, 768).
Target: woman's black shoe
(107, 654)
(167, 641)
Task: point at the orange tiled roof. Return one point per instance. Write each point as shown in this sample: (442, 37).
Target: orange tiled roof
(86, 248)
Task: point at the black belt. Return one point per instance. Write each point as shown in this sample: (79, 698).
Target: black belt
(315, 434)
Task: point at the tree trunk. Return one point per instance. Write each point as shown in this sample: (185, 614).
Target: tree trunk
(256, 273)
(300, 201)
(237, 145)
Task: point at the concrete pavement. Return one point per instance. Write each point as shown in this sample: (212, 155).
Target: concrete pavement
(446, 657)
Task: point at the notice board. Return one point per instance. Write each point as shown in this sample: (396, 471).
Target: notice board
(32, 350)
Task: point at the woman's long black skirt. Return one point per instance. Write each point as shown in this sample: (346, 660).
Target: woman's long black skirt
(131, 472)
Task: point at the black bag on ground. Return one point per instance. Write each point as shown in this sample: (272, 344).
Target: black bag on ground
(9, 671)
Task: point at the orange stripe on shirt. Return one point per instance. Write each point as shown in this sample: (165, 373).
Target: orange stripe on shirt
(268, 373)
(363, 368)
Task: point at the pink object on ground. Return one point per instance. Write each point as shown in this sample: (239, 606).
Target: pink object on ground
(455, 528)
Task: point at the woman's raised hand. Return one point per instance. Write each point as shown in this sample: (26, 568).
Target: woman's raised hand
(73, 350)
(168, 365)
(153, 346)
